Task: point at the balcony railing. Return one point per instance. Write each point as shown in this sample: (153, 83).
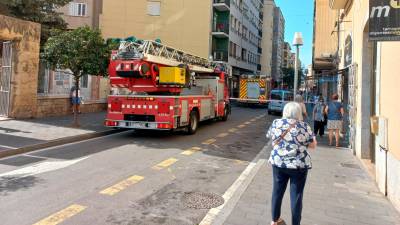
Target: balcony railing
(222, 5)
(221, 27)
(220, 55)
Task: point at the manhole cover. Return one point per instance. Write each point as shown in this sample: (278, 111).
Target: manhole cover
(350, 165)
(200, 200)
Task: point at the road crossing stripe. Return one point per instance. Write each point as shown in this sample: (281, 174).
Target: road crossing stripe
(253, 120)
(164, 164)
(241, 126)
(191, 151)
(247, 123)
(122, 185)
(62, 215)
(232, 130)
(221, 135)
(209, 141)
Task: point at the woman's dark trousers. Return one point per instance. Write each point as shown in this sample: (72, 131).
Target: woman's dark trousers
(281, 177)
(319, 126)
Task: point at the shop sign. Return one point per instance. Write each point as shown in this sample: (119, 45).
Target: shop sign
(384, 20)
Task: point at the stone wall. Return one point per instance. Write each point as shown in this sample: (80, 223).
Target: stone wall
(58, 106)
(25, 36)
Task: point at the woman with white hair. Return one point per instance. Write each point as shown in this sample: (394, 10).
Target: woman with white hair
(291, 137)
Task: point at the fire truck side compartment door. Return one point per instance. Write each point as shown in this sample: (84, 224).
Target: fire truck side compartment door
(184, 115)
(206, 110)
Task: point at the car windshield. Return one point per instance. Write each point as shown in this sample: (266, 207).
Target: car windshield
(276, 95)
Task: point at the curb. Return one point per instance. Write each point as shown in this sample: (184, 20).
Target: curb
(56, 142)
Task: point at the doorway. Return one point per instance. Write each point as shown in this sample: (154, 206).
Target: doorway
(5, 77)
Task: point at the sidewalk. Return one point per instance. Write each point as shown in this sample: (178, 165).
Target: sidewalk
(338, 192)
(21, 133)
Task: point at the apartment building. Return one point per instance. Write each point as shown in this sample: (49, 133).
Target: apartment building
(79, 13)
(287, 56)
(278, 44)
(267, 38)
(368, 70)
(228, 31)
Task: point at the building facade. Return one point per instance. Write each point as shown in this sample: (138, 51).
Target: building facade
(278, 44)
(287, 56)
(228, 31)
(79, 13)
(369, 71)
(325, 48)
(267, 38)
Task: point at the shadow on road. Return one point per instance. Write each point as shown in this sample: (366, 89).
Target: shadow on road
(13, 184)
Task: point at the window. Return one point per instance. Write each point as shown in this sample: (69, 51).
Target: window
(244, 54)
(84, 81)
(153, 8)
(77, 9)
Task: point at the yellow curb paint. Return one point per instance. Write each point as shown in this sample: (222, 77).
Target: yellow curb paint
(232, 130)
(209, 141)
(121, 185)
(221, 135)
(164, 164)
(241, 126)
(62, 215)
(191, 151)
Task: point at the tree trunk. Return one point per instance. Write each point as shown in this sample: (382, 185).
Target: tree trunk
(76, 119)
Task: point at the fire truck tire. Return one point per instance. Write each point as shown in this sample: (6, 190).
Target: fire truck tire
(193, 122)
(226, 114)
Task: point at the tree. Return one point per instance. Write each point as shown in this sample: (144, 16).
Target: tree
(288, 77)
(83, 51)
(39, 11)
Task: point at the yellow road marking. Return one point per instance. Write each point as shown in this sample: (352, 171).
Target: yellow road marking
(62, 215)
(209, 141)
(241, 126)
(232, 130)
(191, 151)
(164, 164)
(121, 185)
(221, 135)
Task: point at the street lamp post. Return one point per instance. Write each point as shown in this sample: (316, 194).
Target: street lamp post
(297, 41)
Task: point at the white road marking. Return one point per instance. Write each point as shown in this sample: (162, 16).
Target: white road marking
(217, 216)
(40, 168)
(9, 147)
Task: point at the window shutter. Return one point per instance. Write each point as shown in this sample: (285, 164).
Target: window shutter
(71, 8)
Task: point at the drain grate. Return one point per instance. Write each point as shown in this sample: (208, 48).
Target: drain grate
(201, 200)
(350, 165)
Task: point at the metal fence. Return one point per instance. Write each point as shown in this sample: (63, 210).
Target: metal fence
(5, 78)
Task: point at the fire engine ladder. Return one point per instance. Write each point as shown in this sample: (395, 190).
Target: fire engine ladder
(162, 54)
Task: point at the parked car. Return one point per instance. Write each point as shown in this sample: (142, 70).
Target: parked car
(278, 100)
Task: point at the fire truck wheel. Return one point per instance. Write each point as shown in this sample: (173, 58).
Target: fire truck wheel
(193, 122)
(226, 114)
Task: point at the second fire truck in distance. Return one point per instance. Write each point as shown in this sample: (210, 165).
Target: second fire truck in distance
(254, 89)
(161, 88)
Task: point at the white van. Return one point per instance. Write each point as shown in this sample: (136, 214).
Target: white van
(278, 100)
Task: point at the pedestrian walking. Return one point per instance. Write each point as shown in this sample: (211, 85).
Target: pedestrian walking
(75, 99)
(299, 99)
(319, 117)
(335, 112)
(291, 137)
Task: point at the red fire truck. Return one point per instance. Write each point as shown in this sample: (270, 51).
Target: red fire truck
(158, 87)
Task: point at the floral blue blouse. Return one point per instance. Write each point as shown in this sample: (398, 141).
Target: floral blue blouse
(291, 151)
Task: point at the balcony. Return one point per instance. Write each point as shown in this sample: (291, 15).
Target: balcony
(222, 5)
(221, 30)
(220, 55)
(338, 4)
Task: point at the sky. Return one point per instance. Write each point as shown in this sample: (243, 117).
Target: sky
(299, 18)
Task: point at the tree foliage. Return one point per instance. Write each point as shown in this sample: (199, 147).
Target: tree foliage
(39, 11)
(83, 51)
(288, 76)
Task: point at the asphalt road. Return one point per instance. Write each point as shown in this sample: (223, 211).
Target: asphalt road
(131, 177)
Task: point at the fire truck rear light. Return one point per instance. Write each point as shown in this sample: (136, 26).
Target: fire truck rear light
(109, 106)
(150, 107)
(144, 106)
(133, 106)
(128, 106)
(111, 123)
(164, 126)
(171, 108)
(156, 106)
(123, 106)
